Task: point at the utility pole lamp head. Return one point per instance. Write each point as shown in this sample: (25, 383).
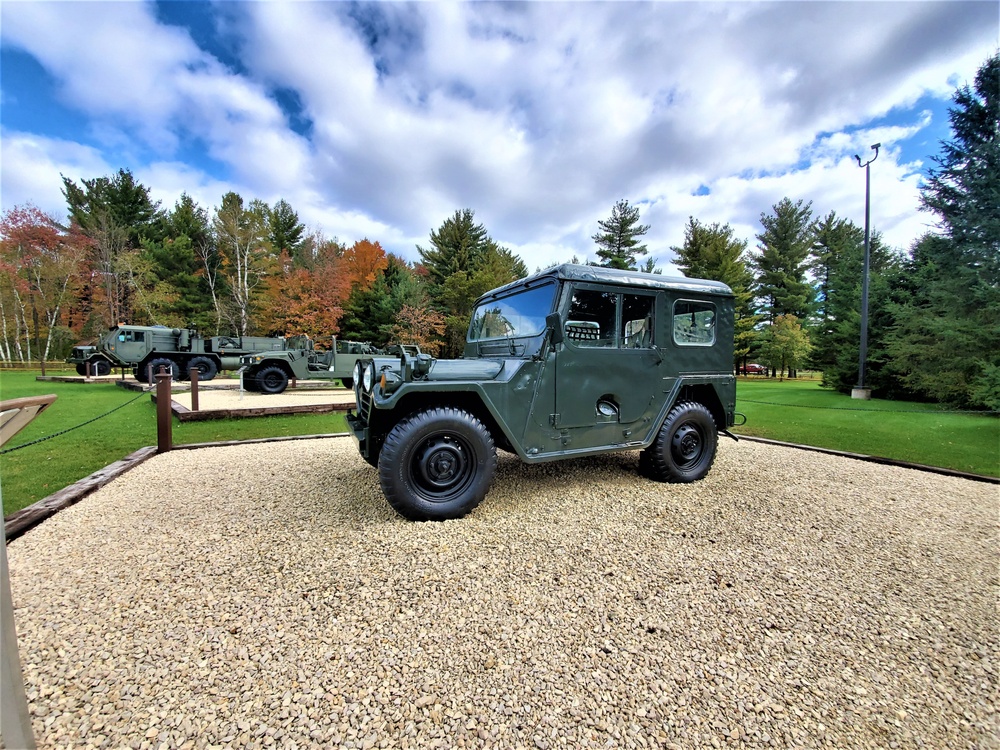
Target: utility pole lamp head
(875, 147)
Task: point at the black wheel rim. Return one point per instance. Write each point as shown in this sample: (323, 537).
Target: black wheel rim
(442, 467)
(687, 446)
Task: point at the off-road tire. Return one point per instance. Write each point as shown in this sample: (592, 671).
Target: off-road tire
(272, 379)
(81, 368)
(100, 367)
(172, 367)
(437, 464)
(348, 383)
(206, 368)
(685, 447)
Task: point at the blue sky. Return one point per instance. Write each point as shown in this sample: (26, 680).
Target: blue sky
(381, 120)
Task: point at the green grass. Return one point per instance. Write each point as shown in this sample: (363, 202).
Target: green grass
(34, 472)
(800, 411)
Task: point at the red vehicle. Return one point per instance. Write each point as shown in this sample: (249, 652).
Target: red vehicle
(754, 369)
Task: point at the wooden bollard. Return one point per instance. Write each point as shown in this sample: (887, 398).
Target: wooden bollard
(195, 372)
(164, 427)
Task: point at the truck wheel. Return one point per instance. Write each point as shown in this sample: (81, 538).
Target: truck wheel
(172, 368)
(685, 447)
(100, 367)
(272, 379)
(437, 464)
(347, 382)
(81, 368)
(206, 368)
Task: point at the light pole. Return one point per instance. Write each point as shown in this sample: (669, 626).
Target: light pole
(860, 391)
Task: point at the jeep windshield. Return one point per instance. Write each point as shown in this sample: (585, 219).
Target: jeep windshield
(520, 314)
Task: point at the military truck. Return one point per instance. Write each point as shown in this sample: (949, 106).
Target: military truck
(179, 350)
(83, 354)
(269, 372)
(572, 361)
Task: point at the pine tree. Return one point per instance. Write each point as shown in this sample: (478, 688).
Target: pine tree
(783, 261)
(616, 238)
(946, 344)
(712, 252)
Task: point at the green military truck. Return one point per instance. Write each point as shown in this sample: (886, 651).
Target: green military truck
(179, 350)
(572, 361)
(83, 355)
(269, 372)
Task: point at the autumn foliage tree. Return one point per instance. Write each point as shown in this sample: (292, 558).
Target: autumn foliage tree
(39, 266)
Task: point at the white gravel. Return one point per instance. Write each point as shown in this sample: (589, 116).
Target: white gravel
(233, 399)
(267, 596)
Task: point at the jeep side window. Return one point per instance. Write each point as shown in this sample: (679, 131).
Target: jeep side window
(637, 321)
(591, 320)
(694, 323)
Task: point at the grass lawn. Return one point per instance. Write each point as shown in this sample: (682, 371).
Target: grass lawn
(34, 472)
(800, 411)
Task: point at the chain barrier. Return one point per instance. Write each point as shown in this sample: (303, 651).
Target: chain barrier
(880, 411)
(70, 429)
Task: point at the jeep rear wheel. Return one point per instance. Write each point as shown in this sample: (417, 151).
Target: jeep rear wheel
(685, 447)
(437, 464)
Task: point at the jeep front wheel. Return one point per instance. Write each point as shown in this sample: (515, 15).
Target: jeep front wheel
(437, 464)
(272, 379)
(685, 447)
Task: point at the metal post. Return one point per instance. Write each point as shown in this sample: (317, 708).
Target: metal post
(195, 372)
(164, 426)
(860, 391)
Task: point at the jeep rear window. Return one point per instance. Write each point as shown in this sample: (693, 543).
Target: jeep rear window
(694, 323)
(520, 314)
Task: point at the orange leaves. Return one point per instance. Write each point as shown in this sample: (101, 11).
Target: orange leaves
(311, 300)
(421, 326)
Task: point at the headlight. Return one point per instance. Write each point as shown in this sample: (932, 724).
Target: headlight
(368, 379)
(357, 374)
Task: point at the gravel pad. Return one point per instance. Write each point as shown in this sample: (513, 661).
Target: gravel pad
(267, 596)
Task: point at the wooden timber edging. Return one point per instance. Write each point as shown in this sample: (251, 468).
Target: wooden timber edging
(184, 414)
(18, 522)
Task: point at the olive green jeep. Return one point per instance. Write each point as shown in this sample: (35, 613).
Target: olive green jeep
(572, 361)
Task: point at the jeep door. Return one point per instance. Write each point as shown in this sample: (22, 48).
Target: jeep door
(606, 377)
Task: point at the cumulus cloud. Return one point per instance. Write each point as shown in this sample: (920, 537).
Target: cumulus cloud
(381, 120)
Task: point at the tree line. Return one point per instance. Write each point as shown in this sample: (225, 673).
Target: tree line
(247, 267)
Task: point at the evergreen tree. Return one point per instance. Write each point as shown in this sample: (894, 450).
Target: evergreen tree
(177, 267)
(783, 261)
(285, 232)
(457, 245)
(463, 263)
(946, 344)
(616, 238)
(712, 252)
(117, 200)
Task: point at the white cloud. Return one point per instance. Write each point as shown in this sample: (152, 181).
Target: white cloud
(32, 166)
(537, 115)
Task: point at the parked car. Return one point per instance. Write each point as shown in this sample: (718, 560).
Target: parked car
(754, 369)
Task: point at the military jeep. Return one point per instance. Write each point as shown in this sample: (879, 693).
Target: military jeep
(572, 361)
